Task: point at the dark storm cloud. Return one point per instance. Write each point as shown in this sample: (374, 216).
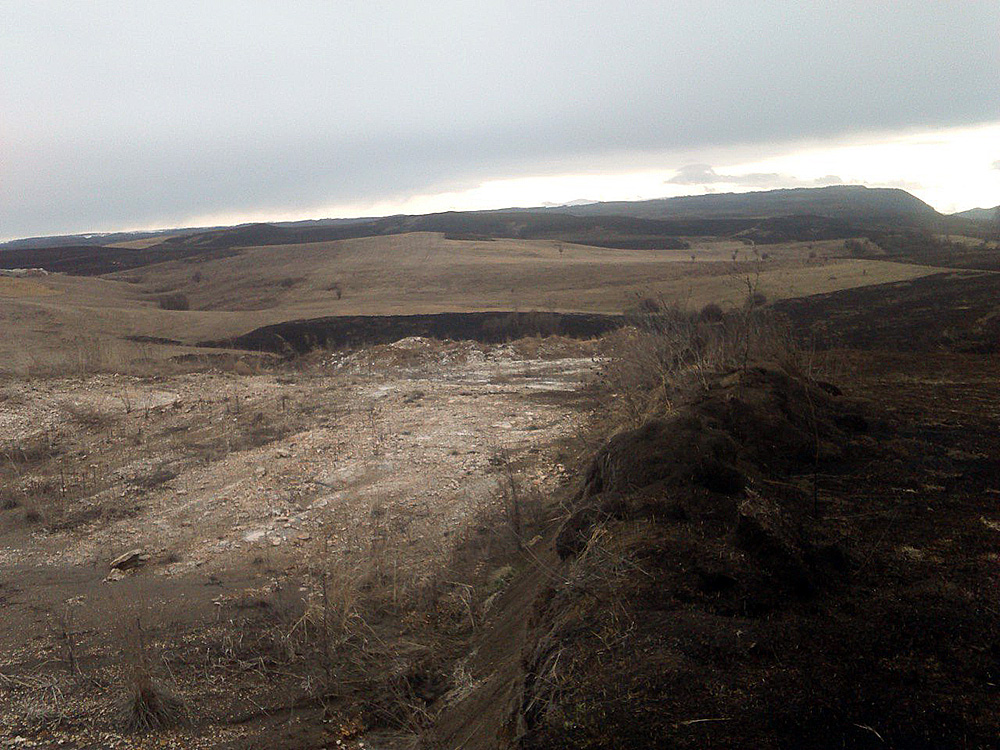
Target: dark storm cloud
(124, 114)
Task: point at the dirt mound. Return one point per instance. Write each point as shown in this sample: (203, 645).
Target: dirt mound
(743, 428)
(705, 592)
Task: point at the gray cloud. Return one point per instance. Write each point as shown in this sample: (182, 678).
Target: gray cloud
(903, 184)
(124, 114)
(703, 174)
(696, 174)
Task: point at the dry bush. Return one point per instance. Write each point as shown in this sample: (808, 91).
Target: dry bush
(32, 449)
(521, 505)
(174, 301)
(711, 313)
(663, 353)
(162, 473)
(36, 703)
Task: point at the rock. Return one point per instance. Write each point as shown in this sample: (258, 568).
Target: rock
(114, 575)
(134, 558)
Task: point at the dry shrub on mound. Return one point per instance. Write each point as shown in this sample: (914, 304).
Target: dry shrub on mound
(665, 352)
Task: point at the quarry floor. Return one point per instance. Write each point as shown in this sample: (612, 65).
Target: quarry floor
(231, 483)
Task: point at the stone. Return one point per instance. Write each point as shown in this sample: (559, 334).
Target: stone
(134, 558)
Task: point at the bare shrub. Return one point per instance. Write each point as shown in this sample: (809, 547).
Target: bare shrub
(646, 306)
(162, 473)
(43, 703)
(520, 503)
(63, 624)
(661, 355)
(174, 301)
(30, 450)
(711, 313)
(860, 247)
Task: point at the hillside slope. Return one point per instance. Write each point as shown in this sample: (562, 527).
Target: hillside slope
(981, 214)
(804, 214)
(853, 203)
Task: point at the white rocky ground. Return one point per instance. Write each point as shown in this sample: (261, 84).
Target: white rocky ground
(410, 427)
(224, 480)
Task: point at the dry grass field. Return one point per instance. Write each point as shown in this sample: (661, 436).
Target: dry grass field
(113, 319)
(13, 288)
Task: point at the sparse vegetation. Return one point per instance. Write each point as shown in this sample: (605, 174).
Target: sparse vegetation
(174, 301)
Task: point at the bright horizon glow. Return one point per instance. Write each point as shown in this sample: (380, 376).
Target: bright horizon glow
(951, 169)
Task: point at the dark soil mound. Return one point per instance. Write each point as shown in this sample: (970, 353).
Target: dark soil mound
(711, 595)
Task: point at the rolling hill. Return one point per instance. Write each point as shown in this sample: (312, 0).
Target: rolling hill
(852, 203)
(800, 214)
(981, 214)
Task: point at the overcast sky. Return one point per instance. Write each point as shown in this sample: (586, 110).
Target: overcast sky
(154, 114)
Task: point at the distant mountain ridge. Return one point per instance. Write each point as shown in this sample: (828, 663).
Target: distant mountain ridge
(845, 202)
(795, 214)
(981, 214)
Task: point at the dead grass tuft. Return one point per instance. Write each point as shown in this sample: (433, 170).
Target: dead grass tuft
(148, 705)
(151, 707)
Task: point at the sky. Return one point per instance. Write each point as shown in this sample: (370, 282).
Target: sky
(127, 115)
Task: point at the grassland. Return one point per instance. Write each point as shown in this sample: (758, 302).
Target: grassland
(18, 288)
(237, 291)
